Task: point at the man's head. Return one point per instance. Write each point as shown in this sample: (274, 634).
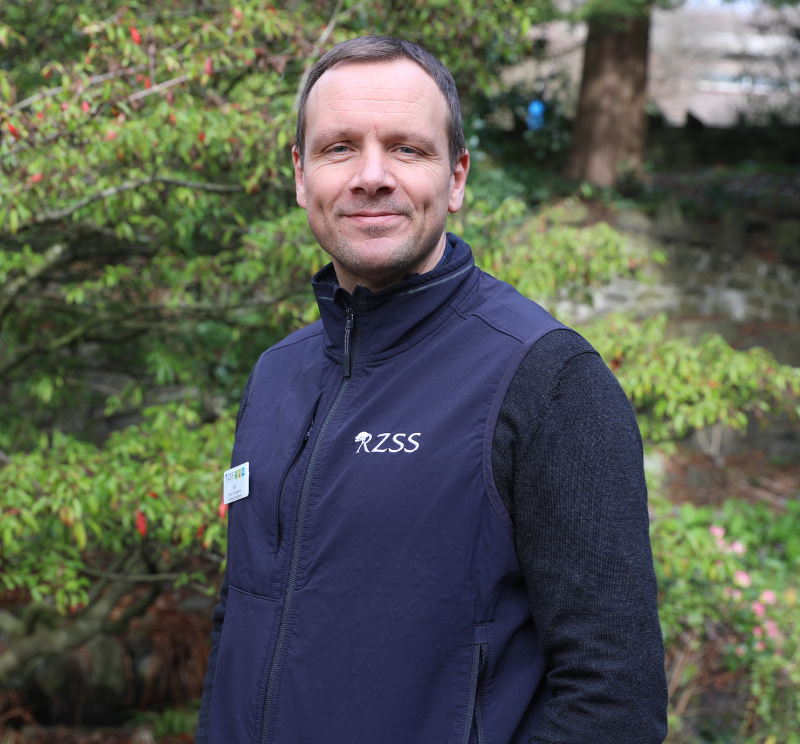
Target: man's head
(380, 159)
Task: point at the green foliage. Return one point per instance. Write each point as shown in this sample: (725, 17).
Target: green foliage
(569, 261)
(152, 493)
(149, 244)
(172, 721)
(496, 126)
(676, 386)
(148, 228)
(729, 599)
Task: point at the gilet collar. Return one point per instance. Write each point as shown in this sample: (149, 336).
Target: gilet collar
(392, 317)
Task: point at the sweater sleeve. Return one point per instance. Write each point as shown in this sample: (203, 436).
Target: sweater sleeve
(567, 462)
(218, 618)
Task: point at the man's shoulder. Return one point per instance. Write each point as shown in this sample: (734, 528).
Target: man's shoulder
(305, 334)
(503, 308)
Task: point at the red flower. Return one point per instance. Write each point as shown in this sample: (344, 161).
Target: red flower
(14, 131)
(36, 177)
(141, 523)
(152, 494)
(208, 67)
(223, 508)
(137, 39)
(202, 136)
(147, 82)
(86, 107)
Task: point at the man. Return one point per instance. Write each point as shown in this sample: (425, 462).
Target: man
(446, 533)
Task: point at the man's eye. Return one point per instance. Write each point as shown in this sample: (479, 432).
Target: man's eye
(406, 150)
(339, 149)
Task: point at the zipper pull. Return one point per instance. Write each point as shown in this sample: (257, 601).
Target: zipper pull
(348, 328)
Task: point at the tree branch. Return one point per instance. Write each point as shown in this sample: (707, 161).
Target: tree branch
(175, 315)
(336, 16)
(173, 82)
(136, 578)
(50, 92)
(67, 338)
(56, 215)
(157, 88)
(45, 643)
(52, 256)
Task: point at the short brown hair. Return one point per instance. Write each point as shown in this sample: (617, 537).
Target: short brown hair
(384, 49)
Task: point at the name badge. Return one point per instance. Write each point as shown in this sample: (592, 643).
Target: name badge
(236, 483)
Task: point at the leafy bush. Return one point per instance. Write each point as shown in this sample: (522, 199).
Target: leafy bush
(677, 386)
(81, 526)
(729, 600)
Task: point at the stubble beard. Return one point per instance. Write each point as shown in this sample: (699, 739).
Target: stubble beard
(407, 256)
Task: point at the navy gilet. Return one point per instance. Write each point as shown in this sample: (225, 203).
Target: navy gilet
(375, 593)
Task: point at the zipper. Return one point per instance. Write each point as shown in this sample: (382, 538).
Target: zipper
(475, 702)
(300, 449)
(294, 562)
(348, 328)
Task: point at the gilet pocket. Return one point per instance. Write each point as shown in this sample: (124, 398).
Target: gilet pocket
(474, 730)
(241, 668)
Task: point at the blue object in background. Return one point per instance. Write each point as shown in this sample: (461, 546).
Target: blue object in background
(535, 117)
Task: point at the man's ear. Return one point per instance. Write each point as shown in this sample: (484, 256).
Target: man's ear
(299, 180)
(458, 182)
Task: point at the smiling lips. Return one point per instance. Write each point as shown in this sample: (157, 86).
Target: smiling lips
(369, 218)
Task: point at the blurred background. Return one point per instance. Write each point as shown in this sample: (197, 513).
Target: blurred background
(636, 170)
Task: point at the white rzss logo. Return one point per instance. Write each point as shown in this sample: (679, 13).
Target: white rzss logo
(364, 438)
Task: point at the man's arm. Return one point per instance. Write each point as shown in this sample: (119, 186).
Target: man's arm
(567, 462)
(218, 618)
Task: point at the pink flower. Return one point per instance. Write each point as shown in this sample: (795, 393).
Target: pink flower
(717, 531)
(760, 646)
(758, 631)
(741, 650)
(758, 609)
(736, 594)
(742, 578)
(772, 629)
(738, 548)
(768, 597)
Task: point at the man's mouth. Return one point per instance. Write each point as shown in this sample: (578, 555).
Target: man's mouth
(372, 217)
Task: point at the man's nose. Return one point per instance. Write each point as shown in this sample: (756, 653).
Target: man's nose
(373, 174)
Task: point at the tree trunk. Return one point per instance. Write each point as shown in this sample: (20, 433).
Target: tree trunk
(611, 123)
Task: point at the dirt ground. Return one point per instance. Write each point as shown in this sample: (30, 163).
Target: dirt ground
(751, 476)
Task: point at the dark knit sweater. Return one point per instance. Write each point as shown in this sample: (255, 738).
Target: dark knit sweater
(567, 462)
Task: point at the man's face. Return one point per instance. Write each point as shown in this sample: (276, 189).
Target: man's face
(376, 178)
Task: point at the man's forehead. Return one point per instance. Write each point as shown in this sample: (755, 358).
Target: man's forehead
(396, 86)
